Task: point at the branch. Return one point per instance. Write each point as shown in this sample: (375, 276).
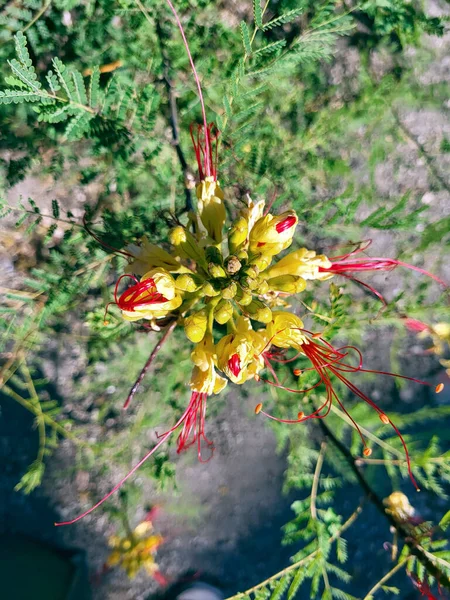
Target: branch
(383, 580)
(424, 557)
(315, 484)
(173, 118)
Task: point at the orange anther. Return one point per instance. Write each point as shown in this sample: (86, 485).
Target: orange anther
(439, 388)
(367, 451)
(297, 372)
(105, 322)
(257, 377)
(384, 419)
(300, 415)
(258, 408)
(316, 336)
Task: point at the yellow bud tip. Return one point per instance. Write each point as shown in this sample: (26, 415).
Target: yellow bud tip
(258, 408)
(300, 415)
(439, 388)
(367, 451)
(297, 372)
(105, 322)
(384, 419)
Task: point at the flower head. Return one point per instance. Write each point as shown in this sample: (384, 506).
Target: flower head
(272, 234)
(136, 550)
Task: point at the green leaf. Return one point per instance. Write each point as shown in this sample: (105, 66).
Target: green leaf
(55, 209)
(444, 523)
(17, 97)
(64, 78)
(270, 48)
(257, 13)
(94, 86)
(286, 18)
(79, 87)
(246, 38)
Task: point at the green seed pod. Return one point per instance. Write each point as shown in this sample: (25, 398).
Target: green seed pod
(223, 312)
(187, 282)
(195, 326)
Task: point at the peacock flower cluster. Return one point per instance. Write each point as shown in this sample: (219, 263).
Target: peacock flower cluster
(136, 551)
(227, 286)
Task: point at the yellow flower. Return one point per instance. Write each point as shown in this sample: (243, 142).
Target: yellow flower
(284, 330)
(204, 378)
(155, 296)
(239, 354)
(211, 207)
(134, 551)
(278, 230)
(148, 256)
(301, 263)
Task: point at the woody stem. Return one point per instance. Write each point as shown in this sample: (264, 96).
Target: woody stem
(424, 557)
(173, 118)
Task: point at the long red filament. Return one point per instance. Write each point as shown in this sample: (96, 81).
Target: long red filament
(199, 138)
(193, 420)
(327, 360)
(208, 168)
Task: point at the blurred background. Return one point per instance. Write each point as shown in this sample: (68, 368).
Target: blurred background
(339, 110)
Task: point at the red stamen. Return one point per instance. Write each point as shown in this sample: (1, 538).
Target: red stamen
(205, 147)
(141, 294)
(234, 364)
(193, 421)
(286, 224)
(327, 360)
(415, 325)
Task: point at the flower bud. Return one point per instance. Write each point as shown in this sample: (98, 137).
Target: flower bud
(211, 207)
(230, 291)
(261, 261)
(273, 230)
(243, 298)
(302, 263)
(259, 311)
(223, 312)
(237, 234)
(232, 265)
(216, 271)
(242, 255)
(195, 326)
(289, 284)
(186, 245)
(263, 287)
(209, 290)
(187, 282)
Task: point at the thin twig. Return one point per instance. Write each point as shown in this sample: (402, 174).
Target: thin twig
(37, 16)
(147, 365)
(427, 559)
(383, 580)
(315, 484)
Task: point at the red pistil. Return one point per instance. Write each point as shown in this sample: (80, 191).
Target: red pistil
(193, 421)
(234, 364)
(141, 294)
(328, 361)
(205, 147)
(286, 224)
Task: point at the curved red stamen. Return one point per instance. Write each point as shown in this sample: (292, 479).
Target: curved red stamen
(286, 224)
(327, 360)
(193, 420)
(141, 294)
(234, 364)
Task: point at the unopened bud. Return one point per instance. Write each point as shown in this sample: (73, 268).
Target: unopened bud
(209, 290)
(259, 311)
(216, 271)
(187, 282)
(237, 234)
(261, 262)
(243, 298)
(185, 244)
(232, 265)
(195, 326)
(230, 291)
(242, 255)
(249, 283)
(223, 312)
(290, 284)
(263, 287)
